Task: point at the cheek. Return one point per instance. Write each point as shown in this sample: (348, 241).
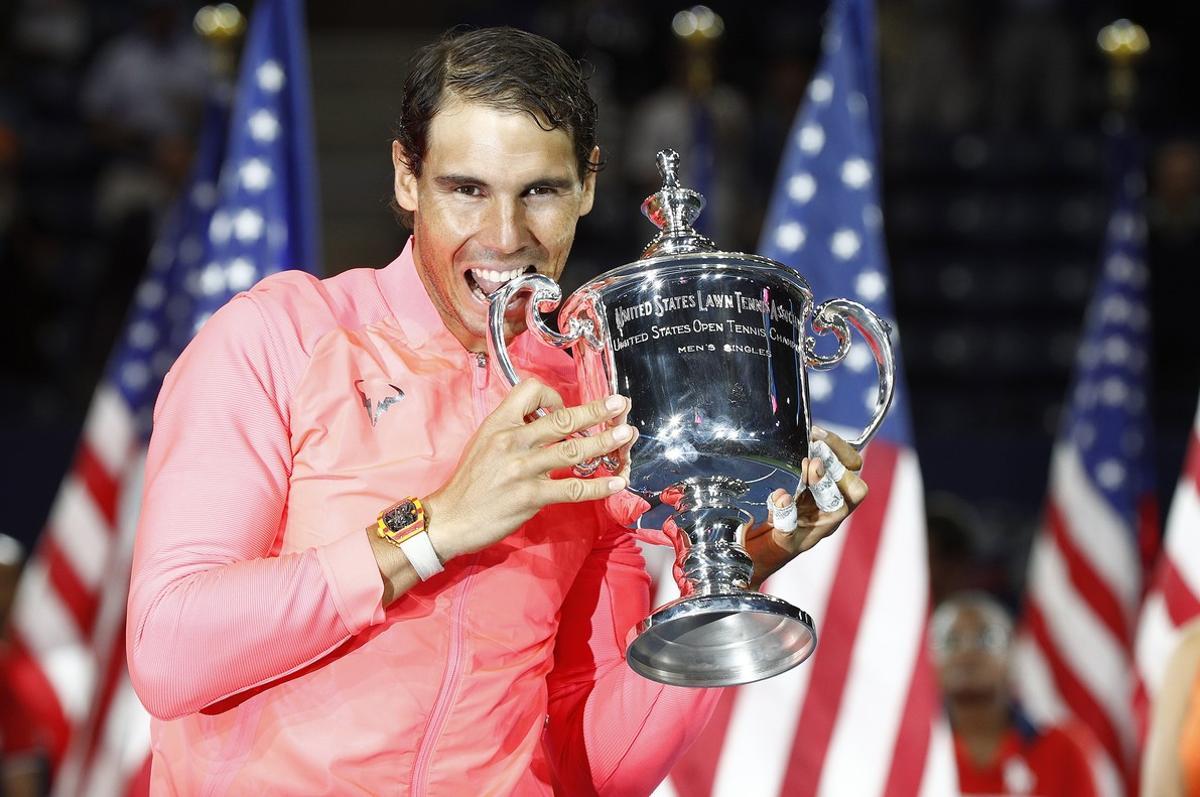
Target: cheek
(555, 232)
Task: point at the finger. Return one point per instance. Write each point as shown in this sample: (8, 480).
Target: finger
(624, 454)
(574, 491)
(568, 420)
(844, 451)
(848, 481)
(526, 398)
(782, 514)
(854, 488)
(575, 450)
(825, 491)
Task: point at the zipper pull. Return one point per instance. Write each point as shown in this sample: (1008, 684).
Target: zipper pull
(481, 372)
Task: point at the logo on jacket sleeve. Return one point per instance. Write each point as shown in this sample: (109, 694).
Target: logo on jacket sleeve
(377, 396)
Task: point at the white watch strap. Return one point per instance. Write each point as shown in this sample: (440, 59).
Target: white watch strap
(419, 550)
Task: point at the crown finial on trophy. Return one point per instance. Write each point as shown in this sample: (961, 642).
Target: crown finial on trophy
(673, 209)
(668, 167)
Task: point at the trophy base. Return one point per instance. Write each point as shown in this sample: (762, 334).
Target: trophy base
(721, 640)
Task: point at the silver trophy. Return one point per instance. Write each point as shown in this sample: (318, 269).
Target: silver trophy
(711, 347)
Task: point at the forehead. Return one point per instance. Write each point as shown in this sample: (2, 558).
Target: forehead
(969, 618)
(477, 140)
(961, 620)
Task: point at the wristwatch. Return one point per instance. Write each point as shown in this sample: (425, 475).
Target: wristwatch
(406, 526)
(401, 521)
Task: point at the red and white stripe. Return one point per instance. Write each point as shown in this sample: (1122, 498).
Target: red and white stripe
(1174, 595)
(862, 716)
(69, 613)
(1074, 648)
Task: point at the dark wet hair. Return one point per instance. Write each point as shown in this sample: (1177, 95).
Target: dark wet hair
(505, 68)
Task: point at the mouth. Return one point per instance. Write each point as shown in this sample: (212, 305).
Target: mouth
(485, 282)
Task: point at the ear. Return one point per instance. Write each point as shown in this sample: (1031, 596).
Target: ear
(589, 183)
(405, 185)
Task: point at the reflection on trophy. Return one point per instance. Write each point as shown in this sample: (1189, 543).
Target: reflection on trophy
(711, 347)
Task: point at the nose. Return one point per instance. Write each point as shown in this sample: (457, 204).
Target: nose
(505, 230)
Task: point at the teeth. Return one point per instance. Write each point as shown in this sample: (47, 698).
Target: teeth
(496, 276)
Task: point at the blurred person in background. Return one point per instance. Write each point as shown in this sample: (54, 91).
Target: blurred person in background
(997, 749)
(143, 97)
(1036, 66)
(1173, 216)
(23, 744)
(1171, 760)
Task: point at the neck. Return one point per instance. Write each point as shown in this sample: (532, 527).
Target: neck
(980, 727)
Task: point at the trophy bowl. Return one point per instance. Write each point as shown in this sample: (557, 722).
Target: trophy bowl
(711, 348)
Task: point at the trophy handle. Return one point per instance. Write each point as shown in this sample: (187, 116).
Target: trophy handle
(837, 316)
(546, 296)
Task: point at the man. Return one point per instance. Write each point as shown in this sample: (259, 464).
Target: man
(27, 721)
(471, 639)
(998, 750)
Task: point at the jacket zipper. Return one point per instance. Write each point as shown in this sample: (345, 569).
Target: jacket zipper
(453, 675)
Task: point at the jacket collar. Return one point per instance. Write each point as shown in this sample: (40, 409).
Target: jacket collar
(415, 312)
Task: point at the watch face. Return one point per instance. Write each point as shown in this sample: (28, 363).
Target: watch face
(400, 516)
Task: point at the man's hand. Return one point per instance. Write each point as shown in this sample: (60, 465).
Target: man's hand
(771, 548)
(503, 478)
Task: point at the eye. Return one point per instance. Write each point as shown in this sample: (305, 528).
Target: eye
(467, 190)
(541, 190)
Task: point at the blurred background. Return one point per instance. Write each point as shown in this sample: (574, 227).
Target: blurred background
(994, 196)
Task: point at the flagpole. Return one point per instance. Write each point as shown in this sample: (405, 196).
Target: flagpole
(222, 27)
(1123, 43)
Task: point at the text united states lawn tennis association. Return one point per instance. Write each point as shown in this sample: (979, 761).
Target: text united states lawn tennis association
(734, 316)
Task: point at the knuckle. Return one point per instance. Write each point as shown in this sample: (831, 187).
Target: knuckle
(570, 449)
(512, 470)
(561, 420)
(503, 439)
(575, 490)
(526, 497)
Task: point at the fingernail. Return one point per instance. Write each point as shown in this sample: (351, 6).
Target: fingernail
(819, 433)
(614, 402)
(616, 483)
(622, 432)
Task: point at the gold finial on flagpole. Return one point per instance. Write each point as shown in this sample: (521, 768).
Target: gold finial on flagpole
(222, 27)
(1123, 43)
(219, 22)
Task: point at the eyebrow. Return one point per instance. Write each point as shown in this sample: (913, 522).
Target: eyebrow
(452, 180)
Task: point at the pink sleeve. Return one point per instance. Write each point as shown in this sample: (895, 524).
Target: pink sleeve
(211, 611)
(611, 731)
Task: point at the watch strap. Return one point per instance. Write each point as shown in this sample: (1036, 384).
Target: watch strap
(418, 548)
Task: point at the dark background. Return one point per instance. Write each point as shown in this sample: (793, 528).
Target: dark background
(995, 204)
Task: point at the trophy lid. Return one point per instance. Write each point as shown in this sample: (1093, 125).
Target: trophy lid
(673, 209)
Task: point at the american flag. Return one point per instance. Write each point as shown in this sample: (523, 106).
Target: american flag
(861, 717)
(1174, 595)
(1075, 645)
(248, 210)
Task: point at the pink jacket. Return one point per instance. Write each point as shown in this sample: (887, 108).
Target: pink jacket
(256, 635)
